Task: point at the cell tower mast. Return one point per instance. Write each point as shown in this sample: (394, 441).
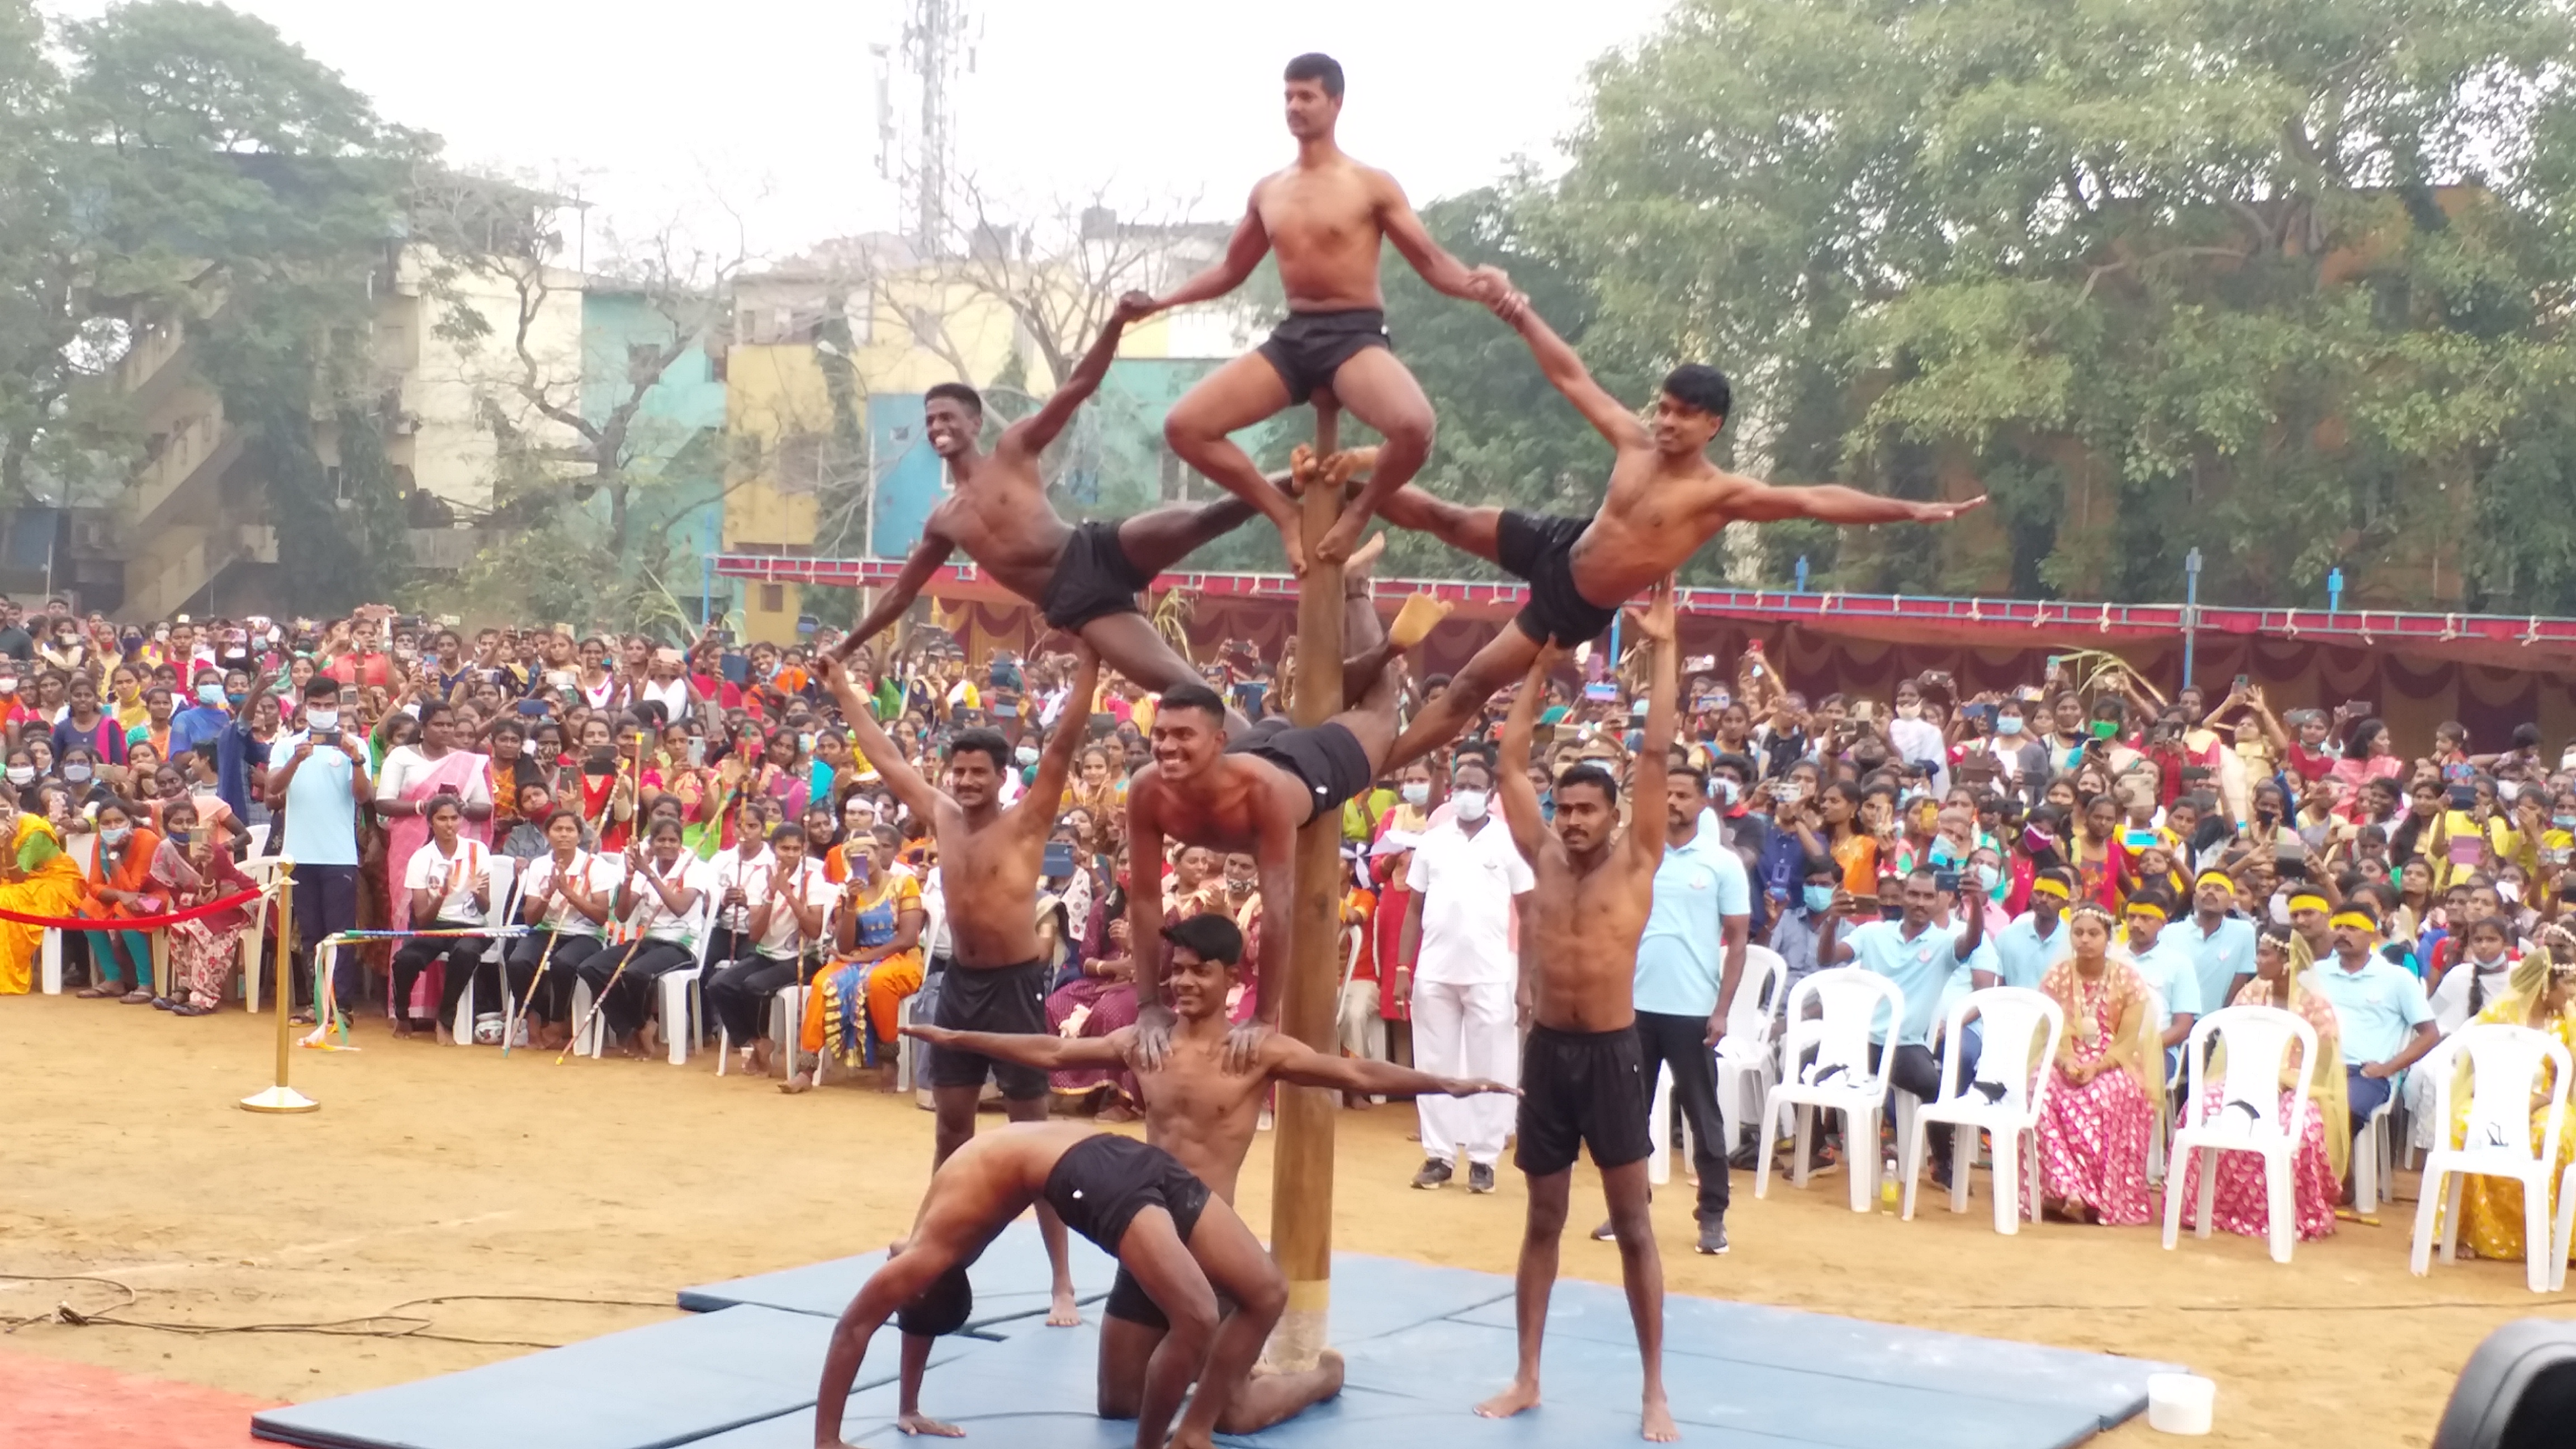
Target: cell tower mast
(934, 43)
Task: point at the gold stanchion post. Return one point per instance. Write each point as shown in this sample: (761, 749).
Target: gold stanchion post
(1301, 1192)
(281, 1097)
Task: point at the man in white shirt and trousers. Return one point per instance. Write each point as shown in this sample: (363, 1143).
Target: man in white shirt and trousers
(1466, 878)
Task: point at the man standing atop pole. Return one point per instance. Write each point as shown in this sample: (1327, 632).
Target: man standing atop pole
(1325, 217)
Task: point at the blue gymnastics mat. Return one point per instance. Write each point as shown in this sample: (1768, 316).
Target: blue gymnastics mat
(1424, 1344)
(1010, 1281)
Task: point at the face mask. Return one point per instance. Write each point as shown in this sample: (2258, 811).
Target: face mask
(1416, 793)
(22, 775)
(2507, 789)
(1025, 754)
(1721, 788)
(1238, 887)
(8, 686)
(2008, 725)
(115, 834)
(805, 744)
(1909, 711)
(210, 693)
(234, 699)
(1470, 803)
(2563, 821)
(76, 774)
(1820, 898)
(2510, 891)
(322, 719)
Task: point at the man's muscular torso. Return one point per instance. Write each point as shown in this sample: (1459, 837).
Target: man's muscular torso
(1195, 1109)
(986, 876)
(1580, 952)
(999, 514)
(1224, 810)
(1324, 227)
(1652, 520)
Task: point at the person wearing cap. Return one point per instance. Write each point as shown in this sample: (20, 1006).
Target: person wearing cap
(2221, 941)
(2387, 1023)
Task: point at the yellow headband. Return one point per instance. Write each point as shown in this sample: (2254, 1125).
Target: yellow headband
(2353, 920)
(2047, 887)
(2307, 901)
(2146, 908)
(2214, 877)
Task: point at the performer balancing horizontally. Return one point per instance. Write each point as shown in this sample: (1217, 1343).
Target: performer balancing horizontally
(1665, 500)
(1083, 577)
(1205, 1116)
(1583, 1070)
(1325, 217)
(1181, 1243)
(1251, 794)
(988, 872)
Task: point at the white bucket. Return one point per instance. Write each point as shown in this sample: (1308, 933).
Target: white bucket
(2179, 1403)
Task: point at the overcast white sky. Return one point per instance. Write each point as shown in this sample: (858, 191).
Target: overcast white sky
(770, 105)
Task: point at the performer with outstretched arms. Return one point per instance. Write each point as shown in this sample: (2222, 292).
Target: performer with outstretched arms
(1325, 217)
(1583, 1079)
(1204, 1116)
(1083, 577)
(988, 871)
(1665, 500)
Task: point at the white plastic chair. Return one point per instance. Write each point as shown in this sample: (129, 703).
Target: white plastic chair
(504, 889)
(2504, 1061)
(2560, 1245)
(2374, 1158)
(83, 849)
(680, 999)
(1748, 1058)
(2160, 1124)
(2004, 1099)
(1840, 1078)
(2248, 1117)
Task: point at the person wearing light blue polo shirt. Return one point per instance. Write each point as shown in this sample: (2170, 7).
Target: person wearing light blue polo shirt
(2164, 961)
(2387, 1024)
(1688, 963)
(2221, 941)
(2026, 949)
(1920, 960)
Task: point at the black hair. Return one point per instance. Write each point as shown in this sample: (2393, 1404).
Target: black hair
(956, 392)
(1819, 865)
(441, 801)
(981, 741)
(1588, 773)
(1190, 694)
(1744, 769)
(1701, 386)
(1318, 67)
(1208, 936)
(314, 688)
(2157, 897)
(1699, 777)
(787, 829)
(940, 1309)
(434, 708)
(2477, 985)
(654, 832)
(1472, 757)
(2526, 736)
(561, 812)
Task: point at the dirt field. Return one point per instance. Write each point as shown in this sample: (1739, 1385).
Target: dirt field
(434, 1171)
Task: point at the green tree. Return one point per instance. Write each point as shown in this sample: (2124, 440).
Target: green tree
(2285, 280)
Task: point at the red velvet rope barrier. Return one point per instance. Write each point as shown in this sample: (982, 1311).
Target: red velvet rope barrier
(130, 923)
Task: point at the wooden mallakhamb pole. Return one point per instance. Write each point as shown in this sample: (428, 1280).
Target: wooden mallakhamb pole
(1301, 1189)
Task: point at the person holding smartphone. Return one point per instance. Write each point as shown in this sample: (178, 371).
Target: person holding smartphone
(876, 961)
(320, 779)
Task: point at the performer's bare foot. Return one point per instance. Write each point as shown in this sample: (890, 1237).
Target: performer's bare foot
(1337, 544)
(798, 1082)
(1345, 467)
(1415, 621)
(1658, 1424)
(1063, 1312)
(756, 1058)
(648, 1040)
(913, 1425)
(1304, 468)
(1362, 562)
(1523, 1394)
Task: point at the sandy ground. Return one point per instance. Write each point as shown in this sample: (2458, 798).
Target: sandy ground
(434, 1171)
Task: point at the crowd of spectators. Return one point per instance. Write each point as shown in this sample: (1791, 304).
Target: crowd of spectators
(2142, 860)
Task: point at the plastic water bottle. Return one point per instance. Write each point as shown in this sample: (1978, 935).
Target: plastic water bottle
(1887, 1192)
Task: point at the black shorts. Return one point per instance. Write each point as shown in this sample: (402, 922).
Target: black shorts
(1582, 1087)
(1327, 759)
(1540, 549)
(1129, 1300)
(1310, 347)
(1093, 578)
(1101, 1184)
(1007, 999)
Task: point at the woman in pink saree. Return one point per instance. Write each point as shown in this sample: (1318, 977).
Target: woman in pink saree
(2093, 1133)
(430, 766)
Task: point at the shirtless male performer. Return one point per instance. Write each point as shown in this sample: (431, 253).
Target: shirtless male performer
(988, 871)
(1083, 577)
(1204, 1116)
(1325, 217)
(1583, 1071)
(1184, 1246)
(1665, 500)
(1252, 793)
